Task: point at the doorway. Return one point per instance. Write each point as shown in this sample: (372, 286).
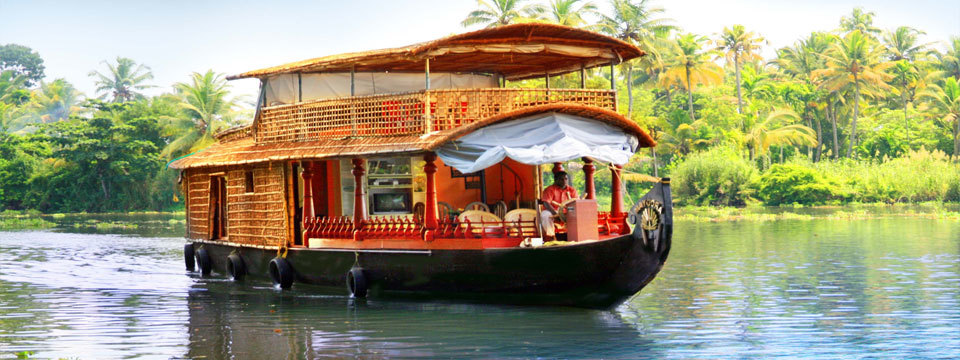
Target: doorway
(218, 207)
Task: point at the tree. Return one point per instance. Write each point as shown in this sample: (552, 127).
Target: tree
(494, 13)
(639, 24)
(776, 130)
(206, 109)
(691, 66)
(123, 80)
(949, 62)
(54, 101)
(902, 44)
(854, 60)
(861, 21)
(738, 45)
(944, 104)
(22, 61)
(568, 12)
(905, 76)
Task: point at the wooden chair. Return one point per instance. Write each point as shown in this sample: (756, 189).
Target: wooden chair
(419, 209)
(477, 205)
(527, 229)
(500, 209)
(479, 219)
(443, 211)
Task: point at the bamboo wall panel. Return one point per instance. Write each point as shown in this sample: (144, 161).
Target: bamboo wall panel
(257, 218)
(404, 114)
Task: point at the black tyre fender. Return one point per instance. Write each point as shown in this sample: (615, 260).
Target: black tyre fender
(235, 267)
(203, 260)
(357, 282)
(188, 257)
(281, 272)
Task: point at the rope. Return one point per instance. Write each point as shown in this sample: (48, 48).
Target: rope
(171, 161)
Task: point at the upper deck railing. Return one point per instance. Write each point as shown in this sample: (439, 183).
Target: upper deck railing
(406, 114)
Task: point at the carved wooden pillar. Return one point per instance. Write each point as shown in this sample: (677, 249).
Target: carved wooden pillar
(307, 176)
(430, 208)
(588, 169)
(308, 213)
(359, 198)
(557, 167)
(616, 184)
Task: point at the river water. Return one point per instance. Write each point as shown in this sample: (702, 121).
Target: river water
(886, 287)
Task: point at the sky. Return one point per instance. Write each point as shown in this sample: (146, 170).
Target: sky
(176, 38)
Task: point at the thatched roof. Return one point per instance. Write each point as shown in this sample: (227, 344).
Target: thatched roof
(246, 151)
(516, 51)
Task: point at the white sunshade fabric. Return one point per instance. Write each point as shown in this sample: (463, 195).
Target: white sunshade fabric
(539, 139)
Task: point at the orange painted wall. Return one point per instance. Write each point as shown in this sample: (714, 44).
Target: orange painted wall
(451, 190)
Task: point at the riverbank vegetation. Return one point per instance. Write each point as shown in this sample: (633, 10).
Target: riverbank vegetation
(844, 115)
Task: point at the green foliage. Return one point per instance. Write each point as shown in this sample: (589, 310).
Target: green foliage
(22, 61)
(719, 176)
(796, 184)
(917, 176)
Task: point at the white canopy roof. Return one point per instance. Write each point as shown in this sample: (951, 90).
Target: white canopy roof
(539, 139)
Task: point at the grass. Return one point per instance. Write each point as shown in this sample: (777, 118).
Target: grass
(855, 211)
(23, 220)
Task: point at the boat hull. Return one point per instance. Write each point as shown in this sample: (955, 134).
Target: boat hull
(596, 274)
(599, 274)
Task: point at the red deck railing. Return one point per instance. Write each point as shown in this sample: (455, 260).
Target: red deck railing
(492, 233)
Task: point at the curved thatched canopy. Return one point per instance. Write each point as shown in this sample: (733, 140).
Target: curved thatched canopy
(517, 51)
(246, 151)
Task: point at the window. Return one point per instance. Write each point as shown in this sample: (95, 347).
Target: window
(248, 181)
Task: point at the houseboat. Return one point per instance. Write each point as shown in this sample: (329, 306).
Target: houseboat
(416, 172)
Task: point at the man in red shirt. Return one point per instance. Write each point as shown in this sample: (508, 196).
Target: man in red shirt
(552, 198)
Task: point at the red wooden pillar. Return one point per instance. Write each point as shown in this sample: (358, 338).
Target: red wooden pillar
(430, 208)
(557, 167)
(359, 198)
(616, 183)
(588, 169)
(308, 213)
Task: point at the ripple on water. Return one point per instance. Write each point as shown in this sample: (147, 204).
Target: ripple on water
(729, 290)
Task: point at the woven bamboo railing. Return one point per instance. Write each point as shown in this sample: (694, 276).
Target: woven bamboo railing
(404, 114)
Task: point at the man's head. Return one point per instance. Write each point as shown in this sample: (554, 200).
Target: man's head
(560, 179)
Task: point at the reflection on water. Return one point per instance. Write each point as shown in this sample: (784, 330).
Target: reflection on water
(830, 288)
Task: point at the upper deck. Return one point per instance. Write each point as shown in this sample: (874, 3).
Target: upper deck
(406, 113)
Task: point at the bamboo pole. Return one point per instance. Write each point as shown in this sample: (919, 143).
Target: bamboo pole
(427, 121)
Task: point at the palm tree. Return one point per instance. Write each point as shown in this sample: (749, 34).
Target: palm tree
(859, 21)
(905, 76)
(776, 130)
(207, 110)
(949, 62)
(902, 43)
(739, 45)
(567, 12)
(854, 61)
(123, 80)
(55, 101)
(638, 23)
(494, 13)
(804, 57)
(944, 102)
(691, 66)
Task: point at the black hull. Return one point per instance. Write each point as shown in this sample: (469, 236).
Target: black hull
(598, 274)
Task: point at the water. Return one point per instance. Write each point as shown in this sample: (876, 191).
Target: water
(878, 288)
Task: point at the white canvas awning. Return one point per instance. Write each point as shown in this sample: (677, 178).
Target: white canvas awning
(539, 139)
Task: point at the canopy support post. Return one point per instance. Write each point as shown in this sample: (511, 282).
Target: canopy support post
(613, 82)
(583, 77)
(616, 185)
(308, 212)
(359, 198)
(427, 121)
(353, 108)
(589, 187)
(430, 208)
(299, 87)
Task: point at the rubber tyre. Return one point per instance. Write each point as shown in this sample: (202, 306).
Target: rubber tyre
(281, 272)
(188, 257)
(203, 260)
(357, 283)
(235, 267)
